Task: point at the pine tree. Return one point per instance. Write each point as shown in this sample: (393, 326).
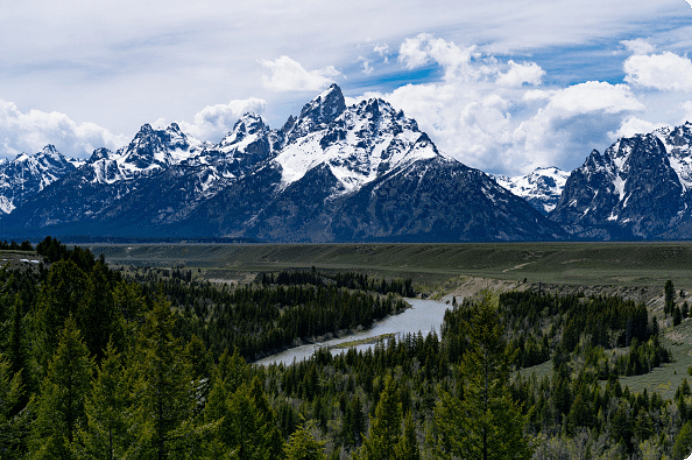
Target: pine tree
(106, 434)
(10, 395)
(385, 427)
(354, 422)
(303, 446)
(677, 316)
(407, 448)
(97, 316)
(270, 434)
(683, 442)
(62, 291)
(227, 377)
(201, 359)
(484, 422)
(61, 405)
(669, 297)
(129, 301)
(16, 347)
(243, 422)
(164, 393)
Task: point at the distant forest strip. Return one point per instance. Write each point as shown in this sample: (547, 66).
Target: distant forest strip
(97, 365)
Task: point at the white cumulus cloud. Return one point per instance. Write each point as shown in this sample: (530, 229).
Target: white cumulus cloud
(638, 46)
(594, 96)
(285, 74)
(666, 71)
(31, 131)
(634, 125)
(518, 74)
(456, 61)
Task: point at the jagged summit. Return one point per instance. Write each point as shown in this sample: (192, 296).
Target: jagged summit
(249, 124)
(317, 114)
(326, 107)
(101, 153)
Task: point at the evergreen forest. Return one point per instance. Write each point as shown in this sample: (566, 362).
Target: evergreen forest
(96, 363)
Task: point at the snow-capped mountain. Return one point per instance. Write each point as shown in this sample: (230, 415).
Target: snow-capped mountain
(357, 145)
(27, 175)
(333, 173)
(640, 187)
(149, 152)
(541, 188)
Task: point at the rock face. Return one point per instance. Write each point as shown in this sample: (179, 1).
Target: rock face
(639, 188)
(541, 188)
(332, 174)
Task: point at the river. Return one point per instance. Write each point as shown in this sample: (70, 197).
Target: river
(424, 316)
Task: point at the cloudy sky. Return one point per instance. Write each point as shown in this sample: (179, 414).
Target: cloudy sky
(504, 86)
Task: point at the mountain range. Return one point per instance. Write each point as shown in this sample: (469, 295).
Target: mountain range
(338, 173)
(333, 173)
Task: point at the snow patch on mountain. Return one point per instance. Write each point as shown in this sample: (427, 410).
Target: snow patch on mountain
(541, 188)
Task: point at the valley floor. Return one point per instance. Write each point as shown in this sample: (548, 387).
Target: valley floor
(631, 265)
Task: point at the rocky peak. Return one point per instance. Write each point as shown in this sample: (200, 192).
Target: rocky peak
(154, 149)
(288, 126)
(595, 157)
(380, 114)
(317, 114)
(326, 107)
(147, 149)
(248, 125)
(50, 151)
(249, 143)
(144, 131)
(100, 154)
(48, 158)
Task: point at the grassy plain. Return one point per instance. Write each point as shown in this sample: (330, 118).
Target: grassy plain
(617, 264)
